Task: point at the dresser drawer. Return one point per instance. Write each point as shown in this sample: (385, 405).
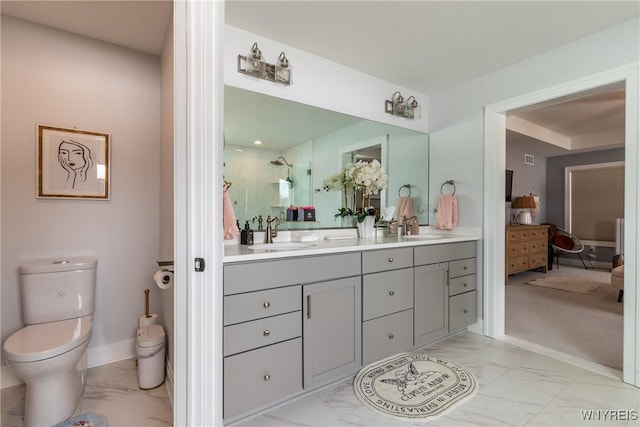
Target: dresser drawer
(462, 267)
(386, 293)
(259, 333)
(386, 259)
(518, 249)
(538, 246)
(538, 233)
(517, 235)
(515, 264)
(462, 311)
(387, 335)
(462, 284)
(256, 305)
(261, 376)
(538, 260)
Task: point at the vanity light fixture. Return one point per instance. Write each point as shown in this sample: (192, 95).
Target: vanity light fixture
(398, 107)
(254, 65)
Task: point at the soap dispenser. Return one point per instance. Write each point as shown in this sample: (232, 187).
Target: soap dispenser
(246, 235)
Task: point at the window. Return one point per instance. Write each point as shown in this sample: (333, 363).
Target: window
(594, 198)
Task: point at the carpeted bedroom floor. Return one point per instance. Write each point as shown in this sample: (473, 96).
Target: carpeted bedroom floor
(584, 326)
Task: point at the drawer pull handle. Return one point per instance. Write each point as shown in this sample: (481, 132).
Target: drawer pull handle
(390, 259)
(465, 285)
(465, 268)
(465, 311)
(266, 304)
(392, 293)
(391, 336)
(266, 333)
(267, 377)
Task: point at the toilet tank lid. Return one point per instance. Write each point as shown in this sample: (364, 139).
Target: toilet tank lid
(58, 265)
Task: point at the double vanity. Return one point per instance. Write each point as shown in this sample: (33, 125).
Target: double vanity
(299, 316)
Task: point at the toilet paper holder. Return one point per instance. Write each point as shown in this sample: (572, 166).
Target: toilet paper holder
(166, 265)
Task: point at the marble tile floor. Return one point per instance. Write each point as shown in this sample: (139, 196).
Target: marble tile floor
(111, 390)
(518, 387)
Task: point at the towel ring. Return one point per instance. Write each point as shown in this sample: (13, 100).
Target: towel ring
(450, 182)
(407, 186)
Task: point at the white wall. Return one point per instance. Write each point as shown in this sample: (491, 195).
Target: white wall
(56, 78)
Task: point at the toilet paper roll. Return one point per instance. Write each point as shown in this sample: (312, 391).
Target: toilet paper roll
(148, 321)
(163, 278)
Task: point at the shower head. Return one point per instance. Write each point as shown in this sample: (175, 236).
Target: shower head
(277, 162)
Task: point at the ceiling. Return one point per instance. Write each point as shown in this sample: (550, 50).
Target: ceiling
(423, 45)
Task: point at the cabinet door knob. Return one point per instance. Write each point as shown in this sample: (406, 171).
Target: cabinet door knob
(392, 293)
(266, 333)
(391, 336)
(464, 311)
(390, 259)
(266, 304)
(267, 377)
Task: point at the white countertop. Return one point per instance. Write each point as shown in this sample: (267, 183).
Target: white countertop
(338, 241)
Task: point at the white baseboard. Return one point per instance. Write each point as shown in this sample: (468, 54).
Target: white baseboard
(168, 380)
(96, 356)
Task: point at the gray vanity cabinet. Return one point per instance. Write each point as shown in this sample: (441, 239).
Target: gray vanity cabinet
(445, 283)
(387, 303)
(331, 328)
(431, 303)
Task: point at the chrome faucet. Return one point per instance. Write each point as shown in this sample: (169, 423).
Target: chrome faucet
(407, 224)
(271, 233)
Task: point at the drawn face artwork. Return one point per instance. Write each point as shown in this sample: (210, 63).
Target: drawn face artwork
(71, 155)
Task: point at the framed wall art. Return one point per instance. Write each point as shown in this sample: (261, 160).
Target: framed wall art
(73, 164)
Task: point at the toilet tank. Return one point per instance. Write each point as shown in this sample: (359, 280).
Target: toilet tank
(58, 289)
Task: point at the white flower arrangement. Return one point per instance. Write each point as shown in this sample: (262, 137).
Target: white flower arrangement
(369, 177)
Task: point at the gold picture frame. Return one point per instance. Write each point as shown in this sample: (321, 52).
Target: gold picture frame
(73, 164)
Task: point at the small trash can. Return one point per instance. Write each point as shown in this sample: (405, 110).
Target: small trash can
(150, 346)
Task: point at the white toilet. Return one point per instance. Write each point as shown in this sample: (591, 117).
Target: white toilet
(49, 354)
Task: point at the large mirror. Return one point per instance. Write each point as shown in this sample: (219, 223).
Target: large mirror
(300, 147)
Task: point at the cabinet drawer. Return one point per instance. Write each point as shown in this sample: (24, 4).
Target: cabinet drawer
(462, 284)
(538, 246)
(444, 252)
(538, 233)
(462, 311)
(538, 260)
(387, 335)
(255, 276)
(515, 264)
(386, 259)
(518, 249)
(261, 376)
(462, 267)
(256, 305)
(259, 333)
(517, 235)
(386, 293)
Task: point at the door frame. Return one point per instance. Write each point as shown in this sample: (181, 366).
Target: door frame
(198, 136)
(494, 216)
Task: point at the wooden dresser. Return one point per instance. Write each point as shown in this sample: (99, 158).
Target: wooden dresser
(525, 248)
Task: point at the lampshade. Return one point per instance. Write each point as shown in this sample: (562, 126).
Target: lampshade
(524, 202)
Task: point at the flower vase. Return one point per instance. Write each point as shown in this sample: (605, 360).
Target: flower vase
(348, 221)
(366, 227)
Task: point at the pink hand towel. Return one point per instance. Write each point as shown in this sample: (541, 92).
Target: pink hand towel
(229, 224)
(447, 215)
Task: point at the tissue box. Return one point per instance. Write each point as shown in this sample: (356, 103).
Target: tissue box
(309, 213)
(292, 213)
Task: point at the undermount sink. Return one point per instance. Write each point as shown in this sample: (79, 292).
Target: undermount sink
(282, 246)
(426, 236)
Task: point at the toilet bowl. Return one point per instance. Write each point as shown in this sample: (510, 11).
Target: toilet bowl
(51, 359)
(50, 353)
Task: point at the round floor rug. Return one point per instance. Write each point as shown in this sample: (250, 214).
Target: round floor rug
(85, 420)
(414, 386)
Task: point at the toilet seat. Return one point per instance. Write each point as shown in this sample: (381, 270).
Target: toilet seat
(47, 340)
